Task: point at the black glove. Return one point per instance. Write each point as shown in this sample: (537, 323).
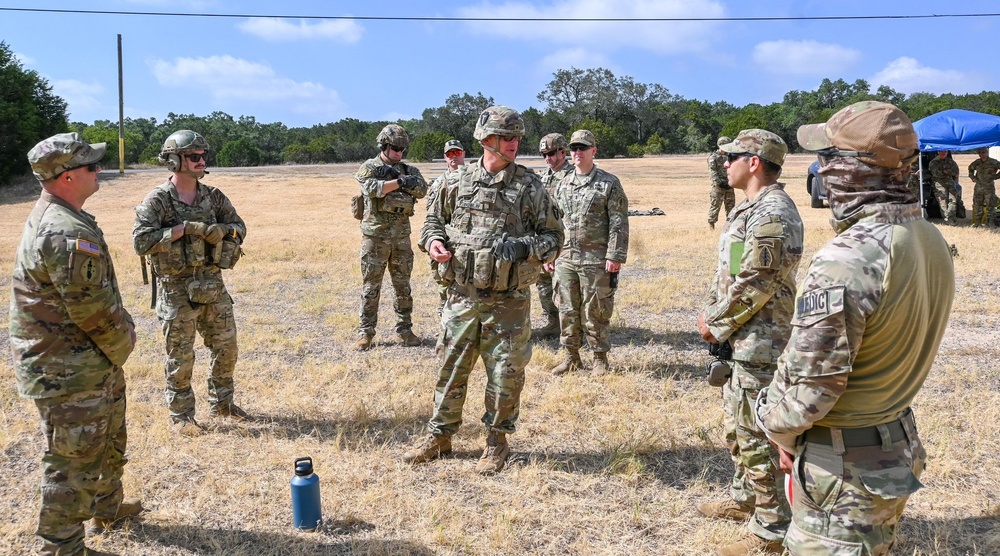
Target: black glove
(512, 249)
(408, 183)
(385, 172)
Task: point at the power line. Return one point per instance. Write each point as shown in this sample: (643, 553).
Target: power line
(511, 19)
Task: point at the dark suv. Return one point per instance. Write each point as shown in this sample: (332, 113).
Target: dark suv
(814, 186)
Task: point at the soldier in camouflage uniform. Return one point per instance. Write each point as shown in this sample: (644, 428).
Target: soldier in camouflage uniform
(390, 189)
(944, 172)
(868, 321)
(721, 192)
(70, 336)
(190, 232)
(983, 172)
(749, 306)
(594, 212)
(553, 149)
(454, 155)
(489, 231)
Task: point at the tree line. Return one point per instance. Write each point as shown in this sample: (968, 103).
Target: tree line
(629, 119)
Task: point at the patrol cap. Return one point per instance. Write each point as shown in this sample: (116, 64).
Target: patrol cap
(452, 145)
(722, 141)
(582, 137)
(870, 127)
(61, 152)
(552, 141)
(758, 142)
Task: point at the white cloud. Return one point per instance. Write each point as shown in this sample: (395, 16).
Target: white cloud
(229, 79)
(907, 75)
(24, 59)
(805, 57)
(573, 57)
(665, 37)
(395, 117)
(273, 29)
(81, 97)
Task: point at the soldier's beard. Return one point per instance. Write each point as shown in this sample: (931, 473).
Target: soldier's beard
(852, 185)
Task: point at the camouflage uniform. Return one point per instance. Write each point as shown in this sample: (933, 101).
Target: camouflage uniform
(944, 172)
(69, 337)
(432, 191)
(595, 216)
(488, 302)
(984, 173)
(750, 305)
(868, 321)
(386, 241)
(190, 293)
(721, 192)
(545, 291)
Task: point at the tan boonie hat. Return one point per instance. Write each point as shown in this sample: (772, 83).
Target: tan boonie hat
(453, 145)
(869, 126)
(582, 137)
(758, 142)
(61, 152)
(552, 141)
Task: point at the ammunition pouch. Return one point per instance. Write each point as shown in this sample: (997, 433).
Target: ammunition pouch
(203, 292)
(480, 269)
(226, 253)
(397, 202)
(171, 262)
(358, 207)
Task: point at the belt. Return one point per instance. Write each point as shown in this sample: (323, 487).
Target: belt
(857, 437)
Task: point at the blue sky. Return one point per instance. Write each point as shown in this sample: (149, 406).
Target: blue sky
(305, 72)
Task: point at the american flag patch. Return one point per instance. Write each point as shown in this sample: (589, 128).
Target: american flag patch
(88, 247)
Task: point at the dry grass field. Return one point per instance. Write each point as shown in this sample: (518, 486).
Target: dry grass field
(607, 465)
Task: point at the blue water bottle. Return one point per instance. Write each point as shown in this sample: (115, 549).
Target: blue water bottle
(306, 507)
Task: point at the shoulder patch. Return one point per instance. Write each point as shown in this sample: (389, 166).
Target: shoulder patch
(88, 247)
(771, 229)
(815, 305)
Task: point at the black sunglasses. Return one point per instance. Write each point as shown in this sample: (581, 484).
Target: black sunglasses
(733, 157)
(396, 149)
(575, 148)
(196, 157)
(550, 153)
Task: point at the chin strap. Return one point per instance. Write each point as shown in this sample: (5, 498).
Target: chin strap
(496, 151)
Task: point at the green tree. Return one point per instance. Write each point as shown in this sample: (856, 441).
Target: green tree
(241, 152)
(427, 147)
(29, 112)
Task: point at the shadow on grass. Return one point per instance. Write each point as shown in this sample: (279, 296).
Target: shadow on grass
(966, 536)
(331, 539)
(624, 335)
(351, 434)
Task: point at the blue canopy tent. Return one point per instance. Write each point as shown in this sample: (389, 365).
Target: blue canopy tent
(955, 130)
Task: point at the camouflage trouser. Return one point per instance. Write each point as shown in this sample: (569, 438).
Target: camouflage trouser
(947, 198)
(586, 301)
(545, 295)
(983, 201)
(82, 467)
(376, 254)
(217, 326)
(498, 330)
(848, 501)
(757, 479)
(718, 197)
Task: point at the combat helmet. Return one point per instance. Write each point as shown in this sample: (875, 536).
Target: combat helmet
(499, 120)
(552, 141)
(723, 140)
(178, 143)
(394, 135)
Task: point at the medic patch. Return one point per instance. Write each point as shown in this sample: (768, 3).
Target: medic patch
(815, 305)
(88, 247)
(766, 253)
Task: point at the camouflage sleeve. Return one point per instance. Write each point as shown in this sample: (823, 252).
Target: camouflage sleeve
(841, 289)
(953, 169)
(972, 169)
(432, 190)
(225, 213)
(439, 209)
(772, 249)
(617, 224)
(370, 185)
(420, 191)
(149, 232)
(549, 234)
(79, 269)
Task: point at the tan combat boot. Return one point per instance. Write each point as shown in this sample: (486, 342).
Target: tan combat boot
(751, 544)
(601, 365)
(364, 342)
(495, 455)
(409, 339)
(128, 508)
(726, 509)
(571, 362)
(551, 328)
(186, 426)
(432, 447)
(231, 411)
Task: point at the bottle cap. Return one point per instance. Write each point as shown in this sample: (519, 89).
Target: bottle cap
(304, 466)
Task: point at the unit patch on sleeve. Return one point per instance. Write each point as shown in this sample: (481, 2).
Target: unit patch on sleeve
(815, 305)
